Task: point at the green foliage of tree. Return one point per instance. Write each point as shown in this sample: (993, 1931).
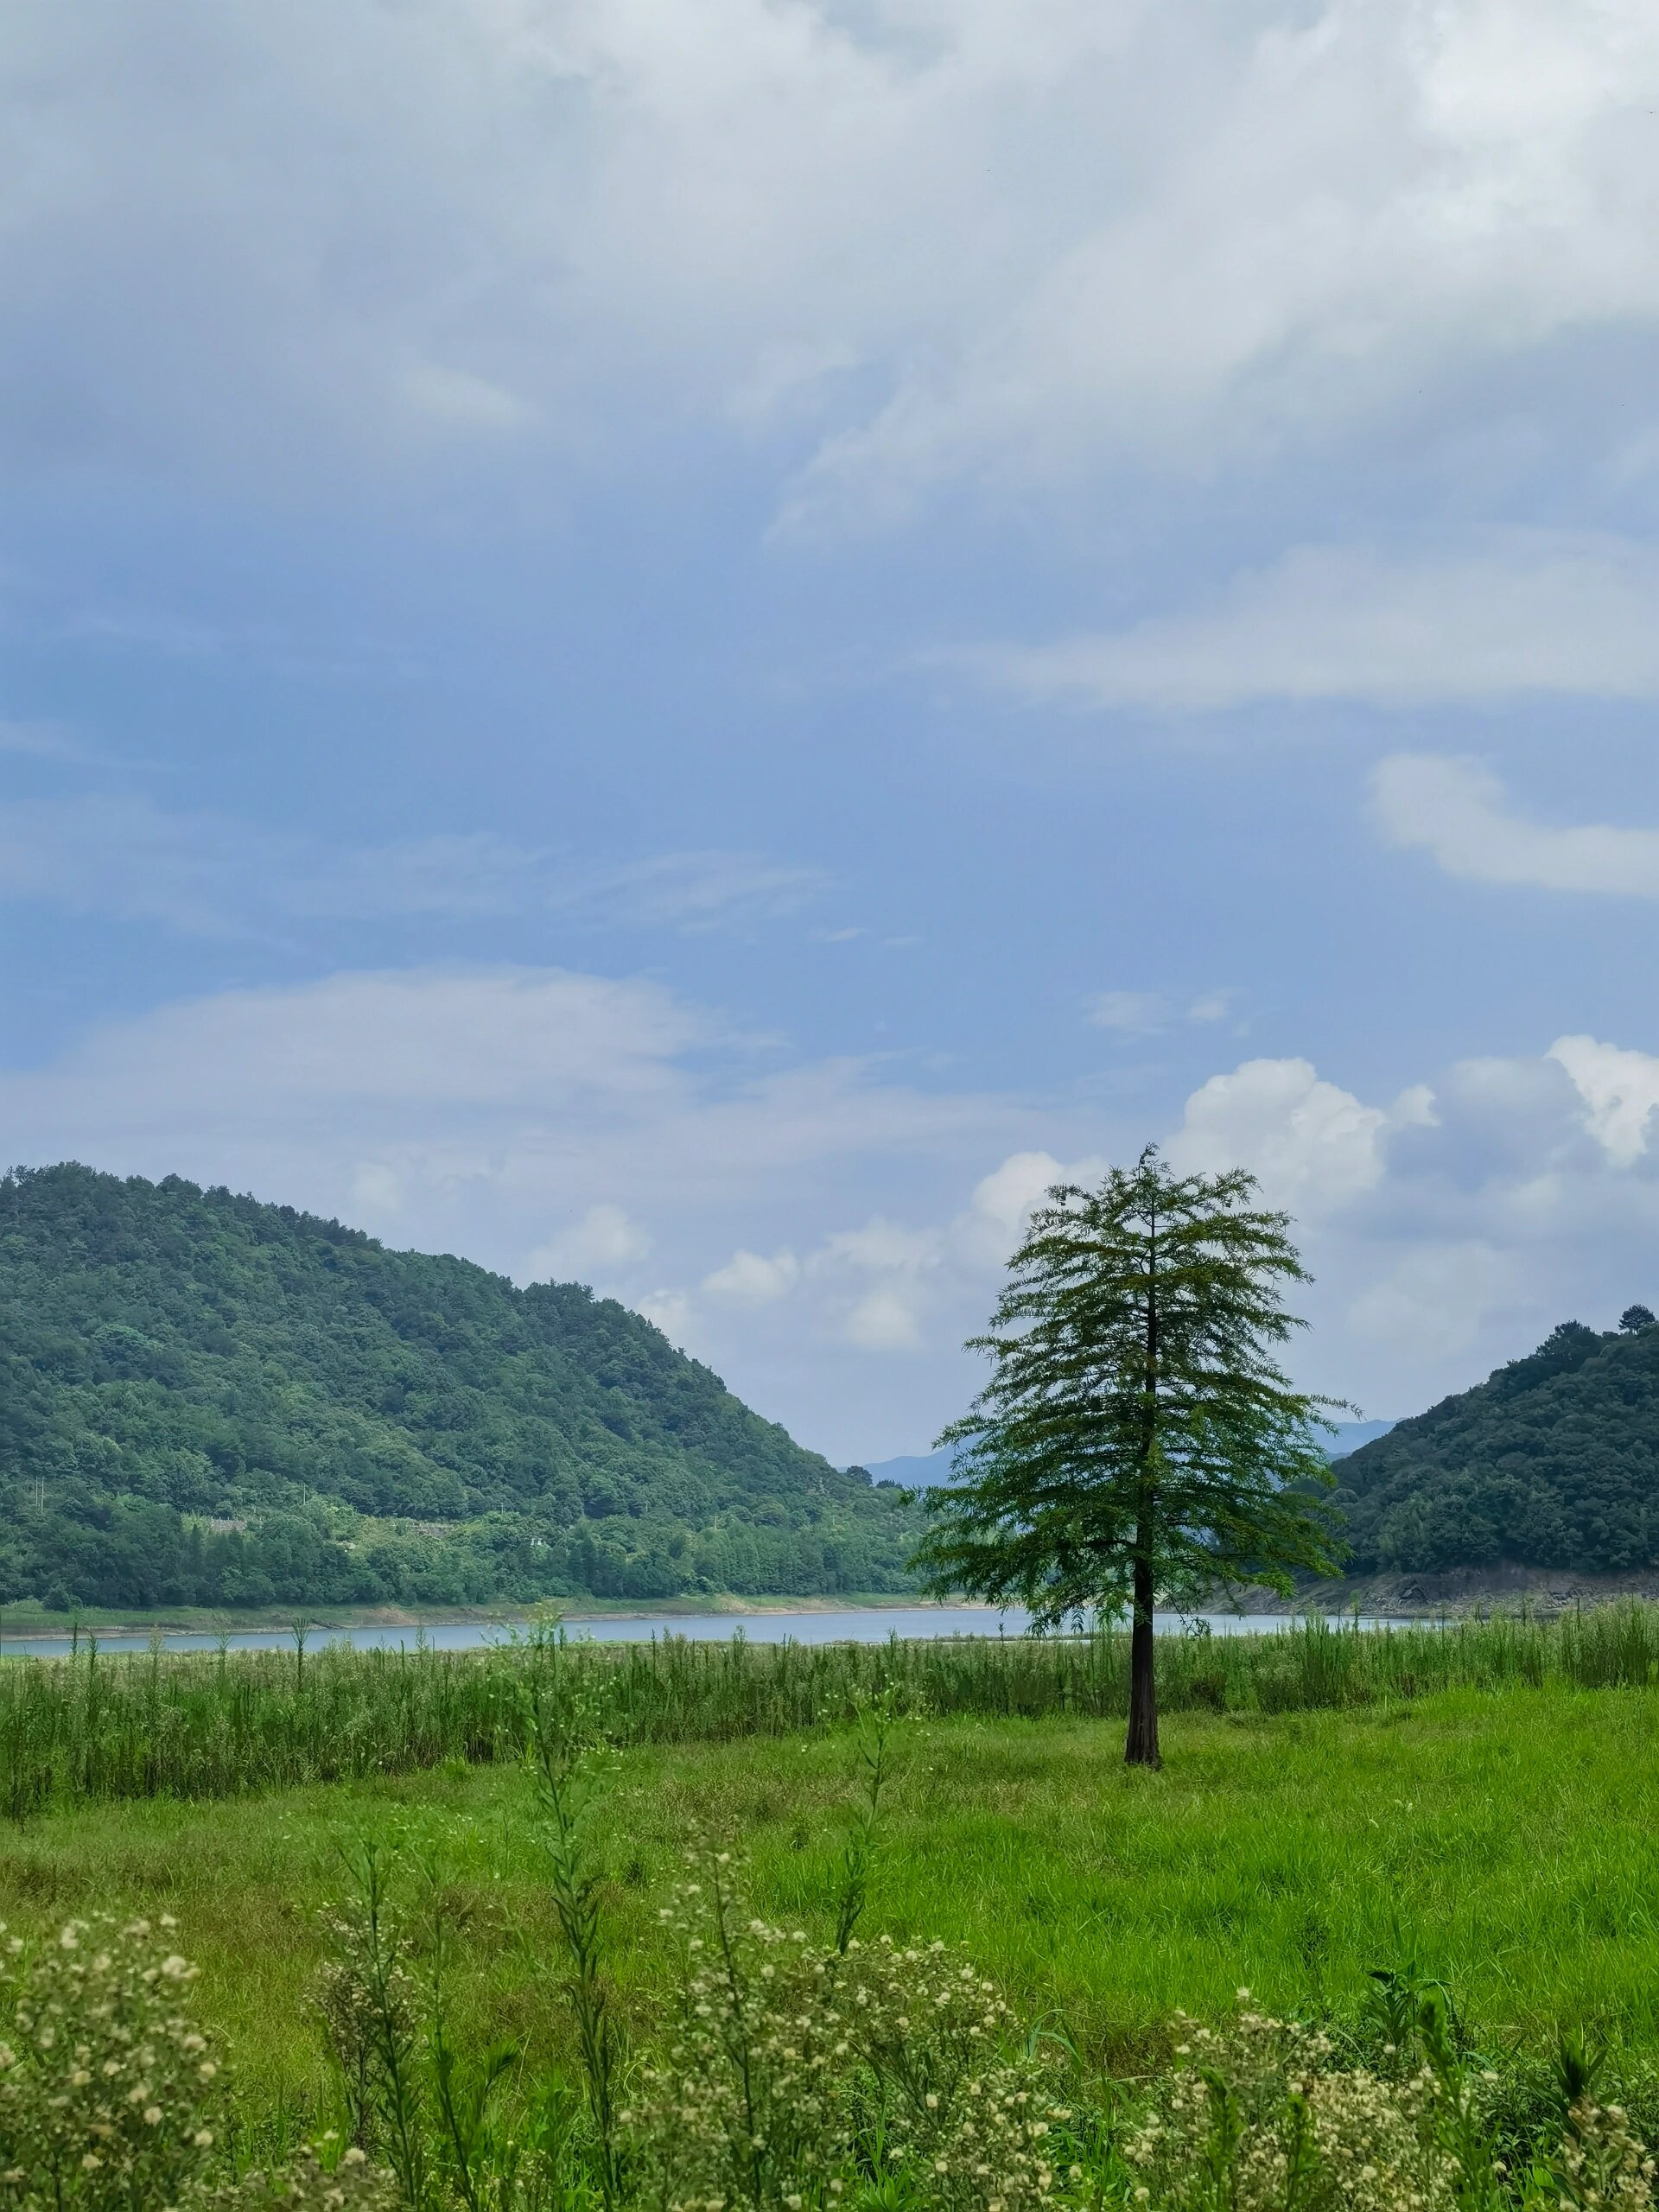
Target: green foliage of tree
(1137, 1437)
(1551, 1462)
(208, 1401)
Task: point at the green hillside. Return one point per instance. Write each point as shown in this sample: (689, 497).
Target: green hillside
(208, 1401)
(1554, 1462)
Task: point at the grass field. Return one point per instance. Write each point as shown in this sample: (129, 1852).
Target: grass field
(97, 1727)
(1510, 1834)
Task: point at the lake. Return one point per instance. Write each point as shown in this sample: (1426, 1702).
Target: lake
(869, 1625)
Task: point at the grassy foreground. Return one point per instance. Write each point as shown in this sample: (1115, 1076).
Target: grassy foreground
(1509, 1833)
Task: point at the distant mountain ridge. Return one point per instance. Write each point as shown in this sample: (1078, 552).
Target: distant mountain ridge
(1551, 1462)
(205, 1400)
(1352, 1435)
(921, 1470)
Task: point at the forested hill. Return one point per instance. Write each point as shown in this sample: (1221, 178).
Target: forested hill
(205, 1400)
(1554, 1462)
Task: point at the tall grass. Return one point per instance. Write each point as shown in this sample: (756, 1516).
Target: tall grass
(205, 1725)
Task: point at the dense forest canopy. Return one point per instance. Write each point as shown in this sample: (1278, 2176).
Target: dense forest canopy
(1551, 1462)
(205, 1400)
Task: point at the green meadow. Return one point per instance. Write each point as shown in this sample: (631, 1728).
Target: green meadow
(1507, 1834)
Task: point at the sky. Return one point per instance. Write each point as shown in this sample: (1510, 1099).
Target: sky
(697, 645)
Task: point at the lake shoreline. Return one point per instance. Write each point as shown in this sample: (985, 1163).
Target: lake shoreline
(21, 1619)
(1451, 1593)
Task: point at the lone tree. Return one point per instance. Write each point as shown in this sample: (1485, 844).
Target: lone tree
(1137, 1437)
(1634, 1320)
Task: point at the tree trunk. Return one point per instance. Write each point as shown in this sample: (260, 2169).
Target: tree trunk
(1141, 1748)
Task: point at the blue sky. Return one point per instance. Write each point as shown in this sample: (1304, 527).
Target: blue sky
(694, 646)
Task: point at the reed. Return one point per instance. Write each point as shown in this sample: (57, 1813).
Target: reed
(94, 1727)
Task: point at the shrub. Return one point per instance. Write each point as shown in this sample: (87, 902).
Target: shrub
(793, 2071)
(1259, 2117)
(108, 2096)
(1599, 2166)
(305, 2184)
(112, 2101)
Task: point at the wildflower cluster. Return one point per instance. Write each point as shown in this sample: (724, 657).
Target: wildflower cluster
(371, 2013)
(1600, 2166)
(305, 2184)
(108, 2094)
(1258, 2116)
(368, 2002)
(977, 2127)
(786, 2060)
(747, 2104)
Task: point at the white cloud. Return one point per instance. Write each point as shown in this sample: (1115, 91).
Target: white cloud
(749, 1278)
(882, 1246)
(1137, 1013)
(1450, 1230)
(1459, 812)
(1539, 613)
(457, 399)
(883, 1320)
(531, 1081)
(485, 874)
(912, 1286)
(1003, 1199)
(1437, 1302)
(1620, 1090)
(1144, 1014)
(1447, 1229)
(1313, 1145)
(894, 1286)
(375, 1192)
(602, 1244)
(692, 890)
(126, 857)
(879, 1286)
(214, 874)
(1333, 206)
(671, 1311)
(361, 1051)
(941, 240)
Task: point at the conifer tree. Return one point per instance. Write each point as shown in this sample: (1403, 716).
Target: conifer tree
(1137, 1437)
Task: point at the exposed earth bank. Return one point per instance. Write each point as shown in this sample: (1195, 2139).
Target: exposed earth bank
(1541, 1589)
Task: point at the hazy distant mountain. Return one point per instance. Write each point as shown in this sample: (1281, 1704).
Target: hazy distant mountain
(922, 1470)
(1352, 1434)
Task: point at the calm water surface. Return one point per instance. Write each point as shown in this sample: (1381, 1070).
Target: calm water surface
(874, 1625)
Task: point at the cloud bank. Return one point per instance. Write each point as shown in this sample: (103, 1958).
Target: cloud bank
(1538, 613)
(827, 1233)
(913, 243)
